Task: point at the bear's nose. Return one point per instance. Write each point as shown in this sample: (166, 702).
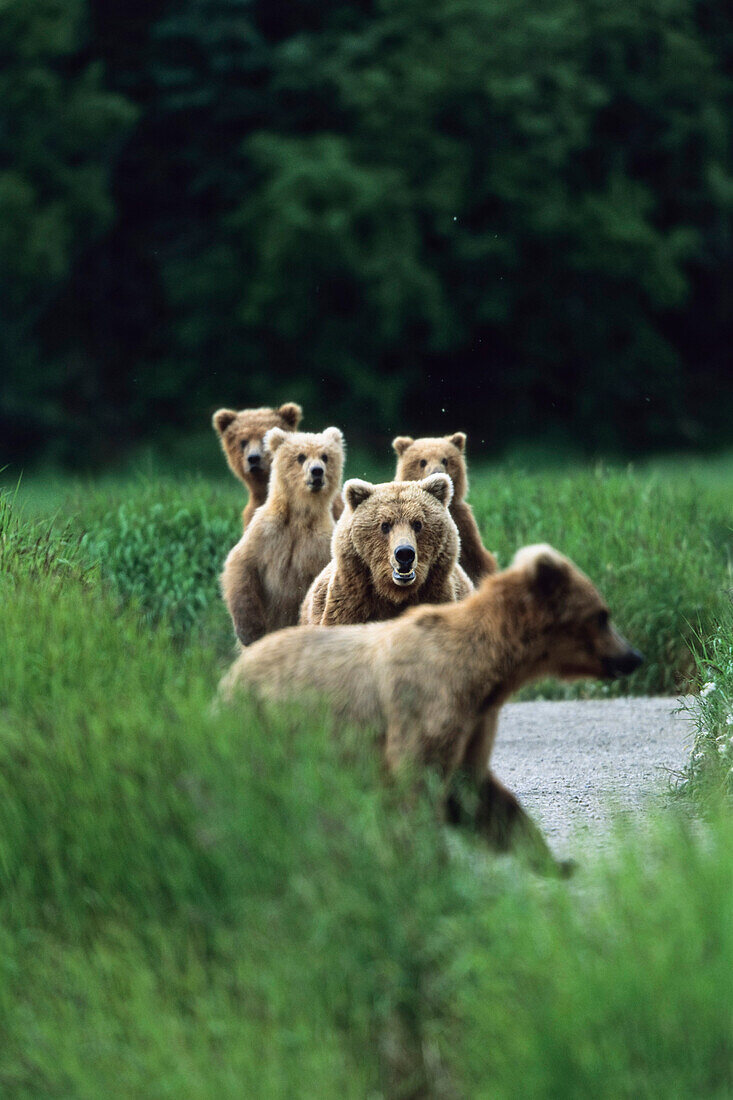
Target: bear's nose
(405, 556)
(624, 664)
(629, 662)
(317, 473)
(254, 459)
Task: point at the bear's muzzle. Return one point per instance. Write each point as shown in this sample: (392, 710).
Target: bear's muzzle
(623, 664)
(316, 476)
(404, 555)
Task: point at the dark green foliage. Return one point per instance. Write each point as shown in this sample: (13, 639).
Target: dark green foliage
(514, 221)
(58, 126)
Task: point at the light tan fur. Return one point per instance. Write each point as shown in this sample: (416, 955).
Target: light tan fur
(363, 582)
(288, 541)
(430, 683)
(418, 458)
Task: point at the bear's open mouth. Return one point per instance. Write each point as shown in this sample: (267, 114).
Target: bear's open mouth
(315, 486)
(403, 579)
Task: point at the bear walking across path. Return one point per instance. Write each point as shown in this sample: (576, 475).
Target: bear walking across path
(418, 458)
(242, 435)
(431, 683)
(395, 546)
(288, 542)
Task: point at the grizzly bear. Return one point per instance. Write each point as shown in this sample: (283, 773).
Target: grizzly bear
(417, 458)
(431, 683)
(395, 546)
(241, 435)
(288, 541)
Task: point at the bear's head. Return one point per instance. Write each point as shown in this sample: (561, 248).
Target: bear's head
(242, 435)
(399, 531)
(418, 458)
(306, 467)
(566, 619)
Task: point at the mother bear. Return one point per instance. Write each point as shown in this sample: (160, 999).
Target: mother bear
(395, 546)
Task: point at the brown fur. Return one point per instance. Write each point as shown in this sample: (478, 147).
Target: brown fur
(359, 584)
(431, 682)
(288, 541)
(241, 435)
(417, 458)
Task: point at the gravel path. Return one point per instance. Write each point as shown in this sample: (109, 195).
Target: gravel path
(576, 765)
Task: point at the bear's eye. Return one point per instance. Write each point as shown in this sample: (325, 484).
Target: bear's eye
(423, 461)
(245, 442)
(301, 459)
(602, 619)
(386, 528)
(416, 526)
(445, 461)
(324, 459)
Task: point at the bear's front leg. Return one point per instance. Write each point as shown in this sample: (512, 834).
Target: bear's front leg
(247, 607)
(506, 825)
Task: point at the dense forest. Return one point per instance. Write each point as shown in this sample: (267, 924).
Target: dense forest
(511, 218)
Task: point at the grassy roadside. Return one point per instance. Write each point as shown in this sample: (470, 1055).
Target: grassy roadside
(710, 770)
(223, 904)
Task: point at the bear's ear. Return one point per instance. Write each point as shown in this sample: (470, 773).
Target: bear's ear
(334, 435)
(458, 439)
(547, 570)
(291, 414)
(400, 443)
(356, 492)
(273, 439)
(221, 420)
(439, 486)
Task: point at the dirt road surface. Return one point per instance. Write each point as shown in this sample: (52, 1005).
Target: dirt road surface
(577, 765)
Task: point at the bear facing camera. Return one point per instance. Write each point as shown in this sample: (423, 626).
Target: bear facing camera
(395, 546)
(288, 541)
(418, 458)
(242, 438)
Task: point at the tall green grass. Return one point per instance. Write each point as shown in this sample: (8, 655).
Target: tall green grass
(162, 544)
(659, 550)
(659, 547)
(710, 769)
(200, 902)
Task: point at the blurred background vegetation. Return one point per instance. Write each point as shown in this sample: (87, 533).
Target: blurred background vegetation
(516, 219)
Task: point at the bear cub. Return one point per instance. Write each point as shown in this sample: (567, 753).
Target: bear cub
(241, 435)
(417, 458)
(288, 541)
(395, 546)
